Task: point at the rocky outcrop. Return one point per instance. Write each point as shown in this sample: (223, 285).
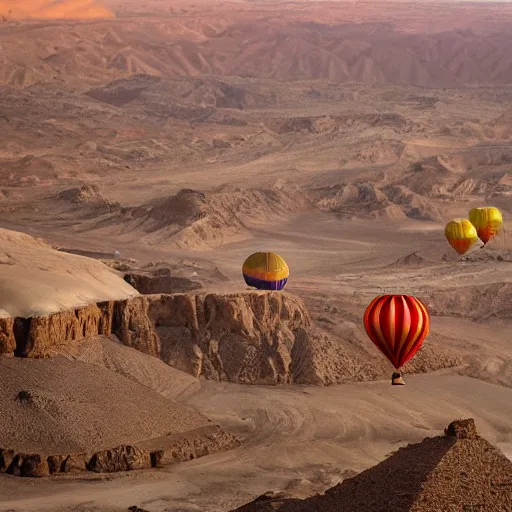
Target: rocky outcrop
(33, 336)
(149, 454)
(462, 429)
(246, 337)
(67, 463)
(122, 458)
(7, 340)
(6, 458)
(192, 445)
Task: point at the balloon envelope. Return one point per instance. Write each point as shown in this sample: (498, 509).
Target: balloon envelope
(461, 234)
(265, 271)
(487, 221)
(397, 325)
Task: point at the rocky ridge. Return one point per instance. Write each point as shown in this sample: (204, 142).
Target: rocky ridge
(244, 338)
(148, 454)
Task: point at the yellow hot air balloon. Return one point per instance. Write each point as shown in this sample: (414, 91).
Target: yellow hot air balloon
(265, 271)
(461, 234)
(487, 221)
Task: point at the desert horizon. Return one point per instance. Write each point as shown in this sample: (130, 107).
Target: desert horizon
(147, 149)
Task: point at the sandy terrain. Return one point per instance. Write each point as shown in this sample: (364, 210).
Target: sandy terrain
(69, 410)
(187, 137)
(459, 468)
(130, 363)
(303, 440)
(47, 9)
(35, 279)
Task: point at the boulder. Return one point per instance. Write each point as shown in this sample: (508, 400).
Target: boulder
(6, 458)
(121, 458)
(33, 465)
(462, 429)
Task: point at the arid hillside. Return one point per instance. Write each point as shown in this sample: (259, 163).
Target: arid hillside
(453, 45)
(132, 160)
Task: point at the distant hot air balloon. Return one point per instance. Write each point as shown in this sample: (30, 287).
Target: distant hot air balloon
(461, 234)
(265, 271)
(487, 221)
(397, 325)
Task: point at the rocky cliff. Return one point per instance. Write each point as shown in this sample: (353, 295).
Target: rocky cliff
(245, 337)
(251, 337)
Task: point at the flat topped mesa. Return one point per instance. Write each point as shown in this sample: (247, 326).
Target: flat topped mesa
(455, 472)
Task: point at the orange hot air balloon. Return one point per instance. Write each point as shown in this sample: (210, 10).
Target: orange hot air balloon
(487, 221)
(461, 235)
(397, 325)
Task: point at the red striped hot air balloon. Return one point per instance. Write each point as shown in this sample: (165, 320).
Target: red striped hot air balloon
(397, 325)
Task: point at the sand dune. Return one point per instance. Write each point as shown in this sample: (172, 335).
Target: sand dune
(36, 279)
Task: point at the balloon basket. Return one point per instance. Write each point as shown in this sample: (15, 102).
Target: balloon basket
(397, 379)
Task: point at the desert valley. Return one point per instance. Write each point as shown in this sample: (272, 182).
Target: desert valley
(147, 148)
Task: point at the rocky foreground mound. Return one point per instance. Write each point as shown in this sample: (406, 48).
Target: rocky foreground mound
(459, 471)
(250, 337)
(62, 416)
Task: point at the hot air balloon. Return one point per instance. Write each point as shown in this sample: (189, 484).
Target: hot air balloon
(487, 221)
(397, 325)
(265, 271)
(461, 234)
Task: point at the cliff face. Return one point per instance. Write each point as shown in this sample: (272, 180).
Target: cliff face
(245, 337)
(7, 340)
